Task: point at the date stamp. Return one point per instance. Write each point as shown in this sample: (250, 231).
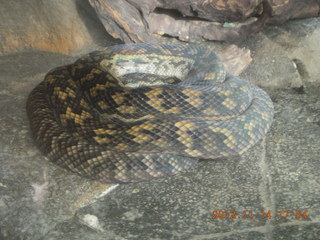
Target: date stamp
(218, 214)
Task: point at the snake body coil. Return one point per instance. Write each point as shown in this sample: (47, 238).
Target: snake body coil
(137, 111)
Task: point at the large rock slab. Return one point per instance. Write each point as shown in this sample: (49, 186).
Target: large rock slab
(55, 26)
(146, 20)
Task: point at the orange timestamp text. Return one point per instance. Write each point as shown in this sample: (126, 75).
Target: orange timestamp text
(218, 214)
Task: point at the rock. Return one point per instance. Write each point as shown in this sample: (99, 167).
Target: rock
(122, 20)
(146, 20)
(286, 56)
(306, 54)
(235, 60)
(55, 26)
(72, 25)
(283, 10)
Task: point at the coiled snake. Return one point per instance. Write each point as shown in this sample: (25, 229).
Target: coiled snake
(137, 111)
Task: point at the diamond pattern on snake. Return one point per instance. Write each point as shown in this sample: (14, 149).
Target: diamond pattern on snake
(134, 112)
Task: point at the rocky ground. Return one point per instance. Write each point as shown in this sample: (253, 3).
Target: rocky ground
(41, 201)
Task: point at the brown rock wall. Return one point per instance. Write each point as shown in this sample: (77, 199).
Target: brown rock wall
(194, 20)
(54, 26)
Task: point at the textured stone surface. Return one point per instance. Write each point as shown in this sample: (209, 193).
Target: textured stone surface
(55, 26)
(33, 196)
(145, 21)
(72, 25)
(286, 56)
(190, 21)
(41, 201)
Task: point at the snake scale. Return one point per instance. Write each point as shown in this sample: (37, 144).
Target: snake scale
(133, 112)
